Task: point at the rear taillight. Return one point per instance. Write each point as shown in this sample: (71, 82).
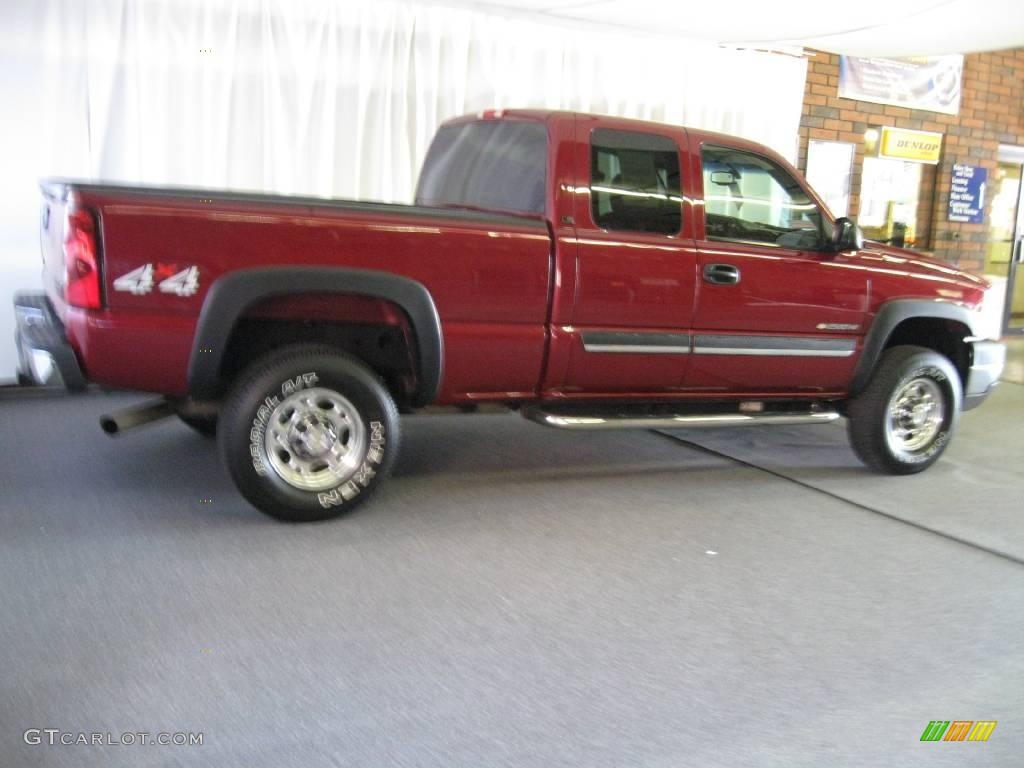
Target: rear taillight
(81, 260)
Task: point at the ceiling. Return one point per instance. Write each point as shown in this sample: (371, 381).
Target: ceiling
(865, 27)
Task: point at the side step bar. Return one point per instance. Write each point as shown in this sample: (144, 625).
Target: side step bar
(679, 421)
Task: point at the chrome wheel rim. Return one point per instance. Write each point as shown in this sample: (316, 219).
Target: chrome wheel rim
(916, 413)
(315, 439)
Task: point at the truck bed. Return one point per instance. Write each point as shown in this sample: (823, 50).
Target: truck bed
(488, 273)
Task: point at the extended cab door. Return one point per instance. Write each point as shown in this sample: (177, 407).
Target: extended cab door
(635, 263)
(776, 310)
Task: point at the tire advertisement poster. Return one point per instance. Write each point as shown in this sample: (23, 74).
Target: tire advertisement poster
(923, 82)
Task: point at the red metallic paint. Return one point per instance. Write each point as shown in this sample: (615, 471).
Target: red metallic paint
(495, 282)
(513, 300)
(132, 350)
(624, 281)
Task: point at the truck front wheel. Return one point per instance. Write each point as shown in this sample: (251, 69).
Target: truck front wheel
(903, 421)
(307, 433)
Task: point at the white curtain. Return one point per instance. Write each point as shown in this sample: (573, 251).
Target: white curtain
(334, 98)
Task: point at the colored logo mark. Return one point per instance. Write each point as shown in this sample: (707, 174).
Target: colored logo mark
(958, 730)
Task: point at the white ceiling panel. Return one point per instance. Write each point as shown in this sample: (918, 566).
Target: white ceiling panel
(867, 27)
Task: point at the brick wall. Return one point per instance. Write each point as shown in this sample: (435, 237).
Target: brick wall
(991, 113)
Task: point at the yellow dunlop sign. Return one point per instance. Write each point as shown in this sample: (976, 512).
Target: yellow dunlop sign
(904, 144)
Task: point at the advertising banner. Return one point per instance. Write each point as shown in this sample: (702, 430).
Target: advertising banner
(922, 82)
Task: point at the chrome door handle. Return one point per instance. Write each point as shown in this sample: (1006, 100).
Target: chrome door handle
(721, 274)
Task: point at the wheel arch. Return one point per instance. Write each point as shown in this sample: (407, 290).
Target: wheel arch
(232, 295)
(925, 323)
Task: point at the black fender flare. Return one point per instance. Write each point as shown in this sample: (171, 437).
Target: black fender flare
(891, 314)
(230, 295)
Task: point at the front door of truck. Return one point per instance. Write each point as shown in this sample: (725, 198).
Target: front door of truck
(776, 311)
(635, 265)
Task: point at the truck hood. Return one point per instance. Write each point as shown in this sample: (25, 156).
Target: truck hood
(948, 281)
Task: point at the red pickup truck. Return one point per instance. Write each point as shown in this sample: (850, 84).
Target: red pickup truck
(593, 272)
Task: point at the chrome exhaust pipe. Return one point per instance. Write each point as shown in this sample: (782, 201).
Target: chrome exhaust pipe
(128, 418)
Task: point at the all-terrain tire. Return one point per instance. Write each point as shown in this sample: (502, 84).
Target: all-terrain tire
(308, 433)
(904, 419)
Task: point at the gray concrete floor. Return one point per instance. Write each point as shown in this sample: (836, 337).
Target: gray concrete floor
(1014, 371)
(514, 597)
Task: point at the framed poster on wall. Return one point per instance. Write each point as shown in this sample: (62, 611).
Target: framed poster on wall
(829, 168)
(921, 82)
(967, 193)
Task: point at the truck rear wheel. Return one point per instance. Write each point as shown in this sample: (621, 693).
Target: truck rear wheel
(307, 433)
(204, 425)
(903, 421)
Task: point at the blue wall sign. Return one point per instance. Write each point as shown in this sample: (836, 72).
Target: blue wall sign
(967, 194)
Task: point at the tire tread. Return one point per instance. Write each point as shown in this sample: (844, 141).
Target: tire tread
(235, 419)
(867, 411)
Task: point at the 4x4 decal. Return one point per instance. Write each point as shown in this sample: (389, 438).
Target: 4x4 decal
(140, 281)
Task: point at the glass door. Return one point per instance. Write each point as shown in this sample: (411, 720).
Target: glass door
(888, 200)
(1005, 248)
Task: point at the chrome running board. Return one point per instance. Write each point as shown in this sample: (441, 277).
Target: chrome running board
(584, 421)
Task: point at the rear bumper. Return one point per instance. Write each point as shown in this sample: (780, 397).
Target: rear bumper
(45, 357)
(986, 367)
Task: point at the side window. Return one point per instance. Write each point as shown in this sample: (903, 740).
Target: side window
(634, 182)
(750, 198)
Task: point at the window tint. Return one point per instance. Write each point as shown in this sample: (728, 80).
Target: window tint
(634, 182)
(750, 198)
(496, 165)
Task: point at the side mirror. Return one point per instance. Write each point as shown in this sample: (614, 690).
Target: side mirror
(846, 236)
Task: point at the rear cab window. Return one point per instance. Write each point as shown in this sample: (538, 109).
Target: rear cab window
(496, 165)
(634, 182)
(749, 198)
